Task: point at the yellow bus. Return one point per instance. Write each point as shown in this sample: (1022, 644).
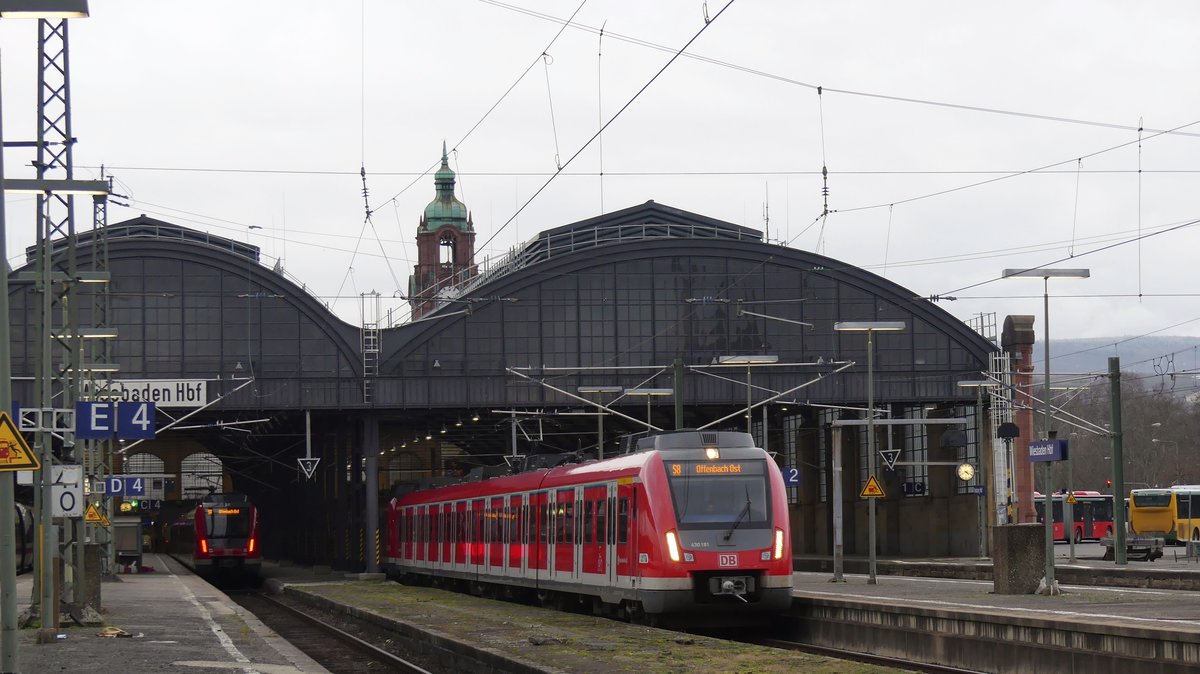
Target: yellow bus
(1171, 512)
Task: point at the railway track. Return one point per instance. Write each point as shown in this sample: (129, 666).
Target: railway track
(335, 649)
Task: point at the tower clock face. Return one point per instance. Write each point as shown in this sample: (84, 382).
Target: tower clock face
(965, 472)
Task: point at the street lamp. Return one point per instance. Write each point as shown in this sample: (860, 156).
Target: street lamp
(1175, 448)
(870, 327)
(649, 393)
(748, 361)
(600, 417)
(1048, 508)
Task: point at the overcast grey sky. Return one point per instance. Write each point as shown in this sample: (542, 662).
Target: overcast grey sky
(221, 115)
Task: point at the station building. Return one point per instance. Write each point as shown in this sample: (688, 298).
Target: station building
(658, 317)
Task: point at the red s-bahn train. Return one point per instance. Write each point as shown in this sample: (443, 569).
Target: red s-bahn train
(690, 522)
(219, 535)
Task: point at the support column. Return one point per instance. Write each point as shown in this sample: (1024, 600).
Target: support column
(1017, 340)
(370, 451)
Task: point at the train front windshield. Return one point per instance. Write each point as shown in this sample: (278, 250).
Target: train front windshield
(227, 521)
(718, 494)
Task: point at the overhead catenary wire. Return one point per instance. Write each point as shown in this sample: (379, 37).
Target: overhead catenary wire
(600, 107)
(848, 92)
(617, 114)
(547, 60)
(1075, 210)
(498, 101)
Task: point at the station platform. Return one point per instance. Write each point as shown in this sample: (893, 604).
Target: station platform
(175, 622)
(1108, 618)
(925, 610)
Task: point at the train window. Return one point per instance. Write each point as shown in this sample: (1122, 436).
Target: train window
(227, 522)
(588, 522)
(710, 495)
(623, 520)
(544, 524)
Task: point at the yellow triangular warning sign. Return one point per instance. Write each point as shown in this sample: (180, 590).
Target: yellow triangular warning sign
(92, 514)
(871, 489)
(14, 452)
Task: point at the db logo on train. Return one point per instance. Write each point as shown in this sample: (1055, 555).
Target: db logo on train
(727, 560)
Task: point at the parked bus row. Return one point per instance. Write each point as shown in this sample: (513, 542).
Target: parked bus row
(1170, 512)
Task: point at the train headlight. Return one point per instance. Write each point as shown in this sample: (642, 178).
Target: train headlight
(712, 453)
(672, 546)
(779, 544)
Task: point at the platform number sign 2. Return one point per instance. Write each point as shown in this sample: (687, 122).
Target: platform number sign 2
(791, 476)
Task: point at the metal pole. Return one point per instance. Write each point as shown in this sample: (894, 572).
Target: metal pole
(835, 451)
(748, 399)
(1118, 466)
(679, 393)
(1048, 507)
(764, 438)
(514, 433)
(871, 580)
(8, 543)
(600, 435)
(981, 503)
(371, 454)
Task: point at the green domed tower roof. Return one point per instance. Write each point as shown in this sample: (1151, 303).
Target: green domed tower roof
(445, 209)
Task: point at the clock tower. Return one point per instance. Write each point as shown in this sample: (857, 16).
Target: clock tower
(445, 244)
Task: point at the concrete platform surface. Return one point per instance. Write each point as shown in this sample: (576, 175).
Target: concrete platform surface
(176, 622)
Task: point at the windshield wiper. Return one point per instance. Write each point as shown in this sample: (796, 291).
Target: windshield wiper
(741, 515)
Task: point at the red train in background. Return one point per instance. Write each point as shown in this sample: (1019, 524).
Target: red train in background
(220, 535)
(690, 523)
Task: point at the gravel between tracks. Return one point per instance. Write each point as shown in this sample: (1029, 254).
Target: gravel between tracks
(555, 641)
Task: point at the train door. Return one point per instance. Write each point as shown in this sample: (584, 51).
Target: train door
(539, 529)
(564, 533)
(609, 525)
(497, 524)
(421, 528)
(460, 534)
(476, 534)
(409, 534)
(516, 537)
(448, 519)
(594, 546)
(626, 530)
(435, 543)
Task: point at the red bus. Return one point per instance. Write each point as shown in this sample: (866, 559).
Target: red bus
(1093, 513)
